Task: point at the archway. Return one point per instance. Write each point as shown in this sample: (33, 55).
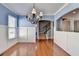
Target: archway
(44, 28)
(45, 31)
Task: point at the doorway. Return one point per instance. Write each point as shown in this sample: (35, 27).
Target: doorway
(44, 30)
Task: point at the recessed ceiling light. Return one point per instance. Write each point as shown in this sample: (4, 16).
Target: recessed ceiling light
(74, 12)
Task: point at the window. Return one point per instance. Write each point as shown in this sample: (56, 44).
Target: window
(11, 27)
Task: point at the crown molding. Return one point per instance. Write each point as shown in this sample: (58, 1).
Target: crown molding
(11, 9)
(66, 4)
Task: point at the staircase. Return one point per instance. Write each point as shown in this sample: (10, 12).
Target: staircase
(43, 30)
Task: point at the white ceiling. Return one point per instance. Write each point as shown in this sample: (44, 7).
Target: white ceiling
(25, 8)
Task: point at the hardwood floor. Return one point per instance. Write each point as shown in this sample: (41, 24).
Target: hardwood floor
(44, 48)
(42, 36)
(41, 48)
(59, 51)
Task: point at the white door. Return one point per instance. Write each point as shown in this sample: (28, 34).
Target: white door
(31, 34)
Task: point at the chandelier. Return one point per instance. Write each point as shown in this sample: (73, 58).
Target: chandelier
(34, 17)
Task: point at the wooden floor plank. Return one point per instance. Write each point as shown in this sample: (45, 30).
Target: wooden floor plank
(41, 48)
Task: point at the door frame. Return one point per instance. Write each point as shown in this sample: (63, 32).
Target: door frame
(52, 27)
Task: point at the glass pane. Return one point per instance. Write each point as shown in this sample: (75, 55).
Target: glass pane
(12, 33)
(11, 21)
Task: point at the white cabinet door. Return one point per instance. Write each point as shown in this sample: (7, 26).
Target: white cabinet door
(31, 34)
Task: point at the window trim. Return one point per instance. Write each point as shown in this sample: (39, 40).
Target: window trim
(12, 27)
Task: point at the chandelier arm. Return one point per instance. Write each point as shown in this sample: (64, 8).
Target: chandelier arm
(33, 18)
